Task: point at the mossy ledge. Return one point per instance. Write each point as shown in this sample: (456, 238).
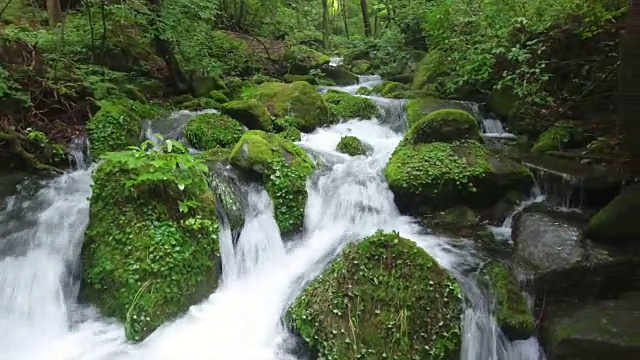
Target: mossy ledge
(383, 298)
(284, 168)
(208, 131)
(151, 247)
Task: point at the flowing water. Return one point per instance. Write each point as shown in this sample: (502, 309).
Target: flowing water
(42, 232)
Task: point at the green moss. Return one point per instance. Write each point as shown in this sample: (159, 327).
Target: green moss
(394, 89)
(343, 105)
(118, 124)
(361, 67)
(299, 100)
(308, 78)
(204, 85)
(250, 113)
(383, 297)
(284, 168)
(291, 134)
(351, 145)
(444, 126)
(510, 308)
(441, 175)
(151, 246)
(302, 59)
(199, 104)
(215, 154)
(457, 217)
(429, 70)
(363, 90)
(418, 108)
(502, 102)
(208, 131)
(617, 222)
(218, 96)
(562, 135)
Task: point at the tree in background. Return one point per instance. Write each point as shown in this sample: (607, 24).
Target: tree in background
(629, 89)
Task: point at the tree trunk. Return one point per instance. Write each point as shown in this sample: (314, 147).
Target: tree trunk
(629, 89)
(164, 49)
(366, 20)
(344, 17)
(54, 12)
(325, 24)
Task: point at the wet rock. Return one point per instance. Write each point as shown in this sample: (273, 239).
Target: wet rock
(563, 265)
(608, 329)
(302, 59)
(617, 223)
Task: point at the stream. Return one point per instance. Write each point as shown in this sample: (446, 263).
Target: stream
(42, 228)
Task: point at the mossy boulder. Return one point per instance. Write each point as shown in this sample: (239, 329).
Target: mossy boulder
(284, 168)
(351, 146)
(207, 131)
(444, 126)
(562, 135)
(510, 304)
(204, 85)
(250, 113)
(199, 104)
(299, 100)
(118, 124)
(339, 75)
(383, 297)
(617, 223)
(344, 106)
(431, 68)
(394, 90)
(361, 67)
(420, 107)
(218, 96)
(308, 78)
(146, 256)
(438, 175)
(302, 59)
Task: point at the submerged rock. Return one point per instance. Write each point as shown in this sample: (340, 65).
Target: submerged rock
(607, 329)
(151, 247)
(284, 168)
(383, 297)
(208, 131)
(351, 146)
(510, 303)
(343, 106)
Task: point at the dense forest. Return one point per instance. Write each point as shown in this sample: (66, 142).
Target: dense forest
(339, 155)
(533, 62)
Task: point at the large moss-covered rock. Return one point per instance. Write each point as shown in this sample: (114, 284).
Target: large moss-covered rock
(207, 131)
(617, 222)
(284, 168)
(510, 304)
(118, 124)
(440, 175)
(299, 100)
(384, 297)
(429, 70)
(562, 135)
(302, 59)
(351, 145)
(251, 113)
(444, 126)
(308, 78)
(339, 75)
(361, 67)
(344, 106)
(420, 107)
(147, 256)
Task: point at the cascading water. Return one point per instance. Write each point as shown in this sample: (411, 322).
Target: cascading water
(348, 199)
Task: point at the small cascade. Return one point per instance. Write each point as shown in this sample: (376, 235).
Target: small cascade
(171, 126)
(392, 113)
(503, 232)
(79, 152)
(368, 81)
(493, 128)
(335, 61)
(560, 189)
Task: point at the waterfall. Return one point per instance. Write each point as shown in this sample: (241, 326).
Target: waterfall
(242, 320)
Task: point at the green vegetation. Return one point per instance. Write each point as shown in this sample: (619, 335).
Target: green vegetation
(344, 106)
(284, 168)
(151, 247)
(207, 131)
(510, 304)
(562, 135)
(352, 146)
(383, 297)
(444, 126)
